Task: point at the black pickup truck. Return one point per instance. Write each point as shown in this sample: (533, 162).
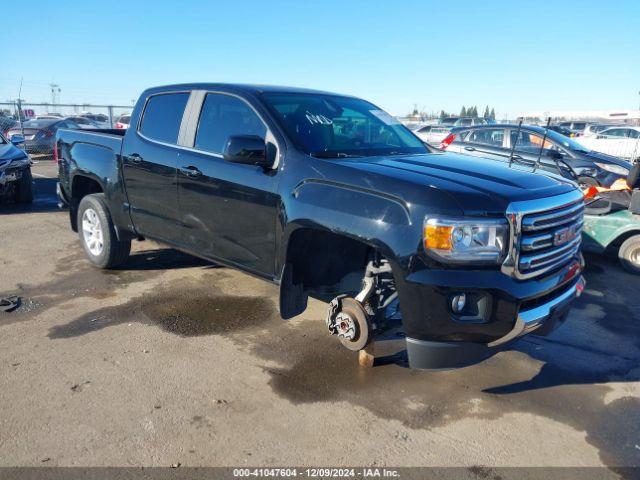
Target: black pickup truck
(330, 197)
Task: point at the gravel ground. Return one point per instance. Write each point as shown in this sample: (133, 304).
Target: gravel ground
(173, 360)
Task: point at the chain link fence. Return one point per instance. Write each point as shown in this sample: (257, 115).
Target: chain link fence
(37, 123)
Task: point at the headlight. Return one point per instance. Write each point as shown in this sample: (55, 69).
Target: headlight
(20, 162)
(610, 167)
(456, 240)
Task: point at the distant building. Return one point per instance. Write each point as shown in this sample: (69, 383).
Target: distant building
(623, 116)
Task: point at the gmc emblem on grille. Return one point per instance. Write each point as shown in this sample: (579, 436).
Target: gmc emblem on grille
(564, 235)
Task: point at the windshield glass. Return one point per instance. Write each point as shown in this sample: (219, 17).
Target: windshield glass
(330, 126)
(566, 142)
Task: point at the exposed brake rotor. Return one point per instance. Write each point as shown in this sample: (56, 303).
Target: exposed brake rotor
(348, 319)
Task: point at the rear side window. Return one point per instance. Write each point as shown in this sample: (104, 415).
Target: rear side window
(487, 136)
(163, 115)
(223, 116)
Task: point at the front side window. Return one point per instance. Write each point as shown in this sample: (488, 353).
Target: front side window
(634, 134)
(331, 126)
(223, 116)
(486, 136)
(530, 142)
(163, 115)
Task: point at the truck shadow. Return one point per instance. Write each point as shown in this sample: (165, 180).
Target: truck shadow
(161, 259)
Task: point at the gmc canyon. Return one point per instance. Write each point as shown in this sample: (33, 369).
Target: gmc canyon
(329, 196)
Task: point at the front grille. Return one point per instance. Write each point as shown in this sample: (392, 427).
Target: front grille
(546, 234)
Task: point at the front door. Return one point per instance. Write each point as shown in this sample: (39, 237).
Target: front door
(229, 211)
(149, 160)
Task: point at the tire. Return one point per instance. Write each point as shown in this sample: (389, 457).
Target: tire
(629, 254)
(588, 182)
(24, 189)
(98, 235)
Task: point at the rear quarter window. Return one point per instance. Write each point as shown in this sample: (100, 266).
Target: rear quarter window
(163, 115)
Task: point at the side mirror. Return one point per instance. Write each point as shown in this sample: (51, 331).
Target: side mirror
(554, 154)
(17, 139)
(247, 150)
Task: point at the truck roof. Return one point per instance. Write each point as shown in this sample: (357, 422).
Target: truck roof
(237, 87)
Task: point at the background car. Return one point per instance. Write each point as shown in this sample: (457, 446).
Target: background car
(40, 135)
(622, 141)
(466, 121)
(15, 172)
(6, 123)
(98, 118)
(84, 123)
(433, 134)
(123, 122)
(495, 142)
(595, 128)
(561, 130)
(576, 127)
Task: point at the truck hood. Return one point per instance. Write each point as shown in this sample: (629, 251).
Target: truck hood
(478, 185)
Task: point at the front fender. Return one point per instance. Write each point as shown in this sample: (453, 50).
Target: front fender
(377, 219)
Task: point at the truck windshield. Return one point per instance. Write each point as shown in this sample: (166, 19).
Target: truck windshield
(330, 126)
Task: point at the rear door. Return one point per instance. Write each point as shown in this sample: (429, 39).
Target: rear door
(485, 142)
(229, 210)
(149, 159)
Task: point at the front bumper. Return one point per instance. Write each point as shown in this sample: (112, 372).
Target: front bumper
(436, 338)
(543, 315)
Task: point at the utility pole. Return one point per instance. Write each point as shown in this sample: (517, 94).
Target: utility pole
(55, 94)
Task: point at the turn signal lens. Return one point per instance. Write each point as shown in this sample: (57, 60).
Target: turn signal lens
(437, 237)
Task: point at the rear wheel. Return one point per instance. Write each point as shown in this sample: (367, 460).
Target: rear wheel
(24, 189)
(629, 254)
(98, 235)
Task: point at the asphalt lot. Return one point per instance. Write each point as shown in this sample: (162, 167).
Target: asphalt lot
(173, 360)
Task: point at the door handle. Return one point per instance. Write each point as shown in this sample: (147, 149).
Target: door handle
(470, 149)
(135, 158)
(190, 171)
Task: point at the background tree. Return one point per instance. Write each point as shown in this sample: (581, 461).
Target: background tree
(493, 114)
(443, 114)
(486, 112)
(463, 112)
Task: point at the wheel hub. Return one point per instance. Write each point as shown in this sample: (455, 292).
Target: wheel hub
(345, 326)
(92, 232)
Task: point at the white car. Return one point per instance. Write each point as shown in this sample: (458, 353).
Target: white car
(123, 122)
(433, 134)
(595, 128)
(622, 142)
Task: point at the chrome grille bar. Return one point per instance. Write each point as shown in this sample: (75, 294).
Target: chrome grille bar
(553, 219)
(545, 234)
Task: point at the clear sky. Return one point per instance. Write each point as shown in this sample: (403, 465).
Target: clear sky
(513, 55)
